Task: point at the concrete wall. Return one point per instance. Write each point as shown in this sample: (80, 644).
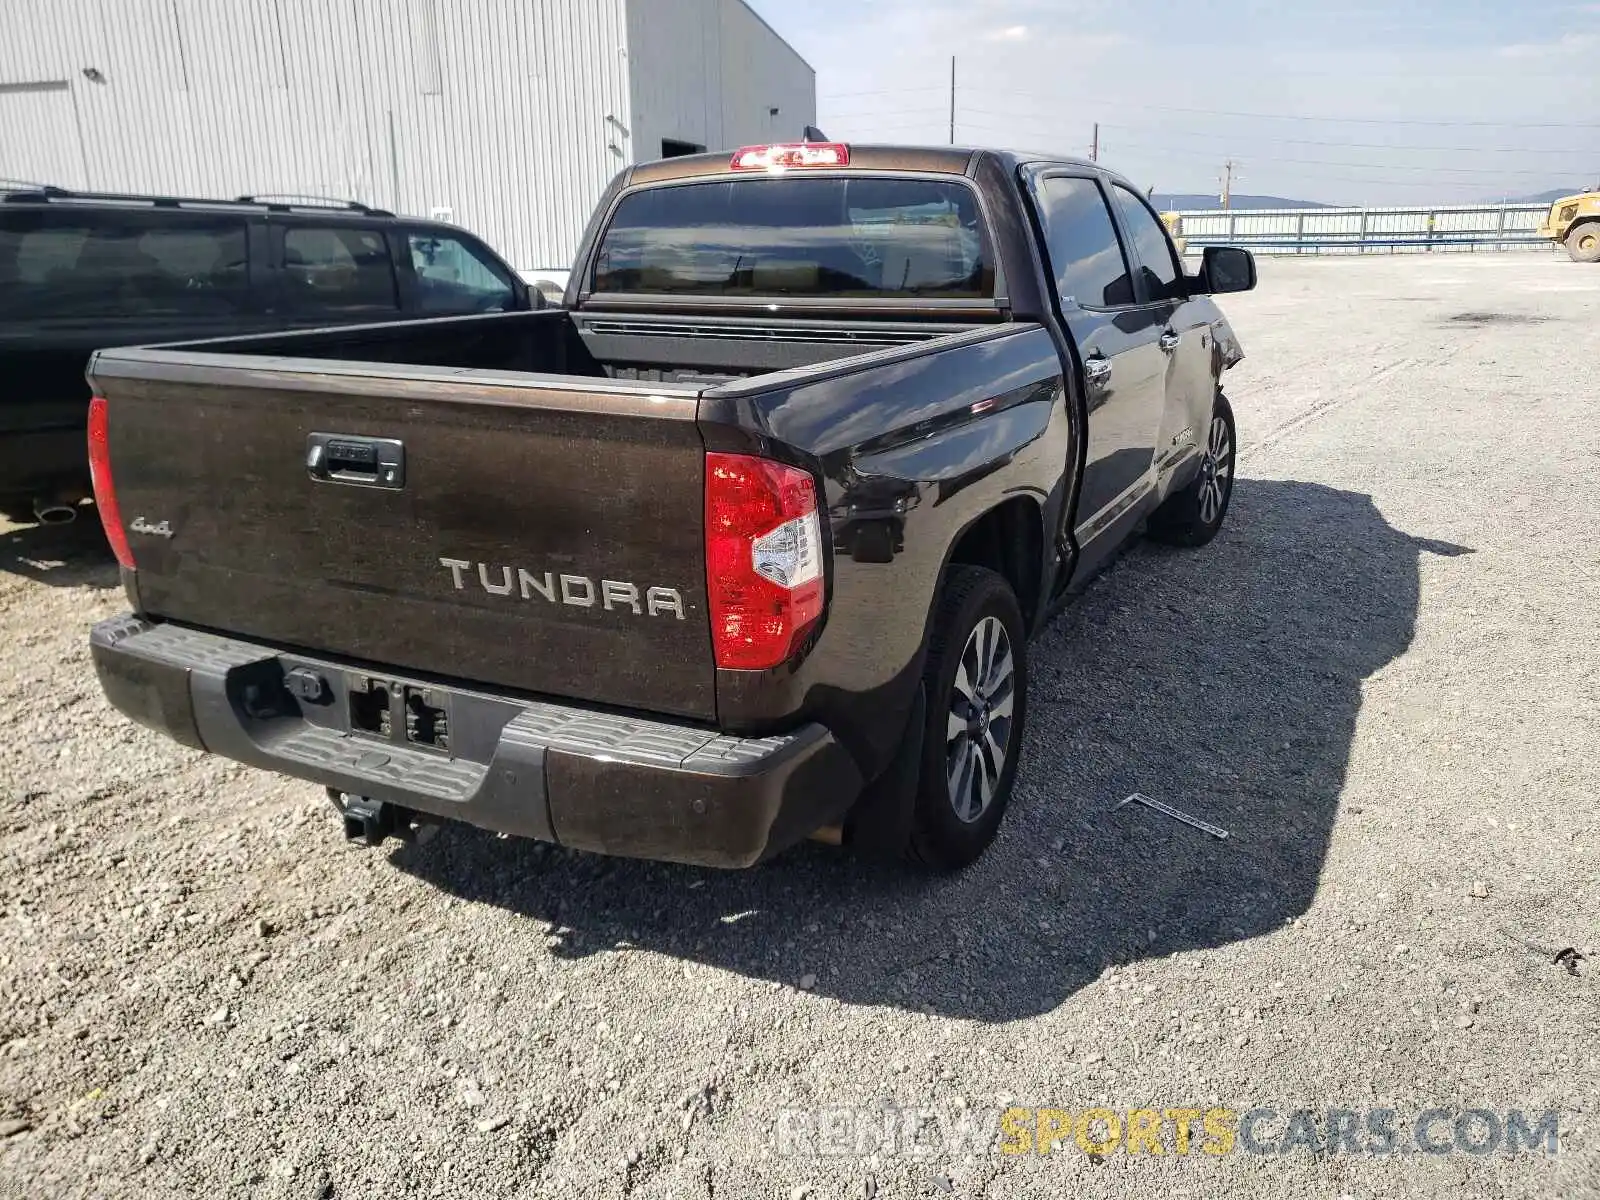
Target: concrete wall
(508, 116)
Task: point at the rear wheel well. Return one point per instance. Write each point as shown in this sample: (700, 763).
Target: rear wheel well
(1008, 540)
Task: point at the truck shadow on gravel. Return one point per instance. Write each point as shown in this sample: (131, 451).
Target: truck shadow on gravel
(1225, 681)
(74, 555)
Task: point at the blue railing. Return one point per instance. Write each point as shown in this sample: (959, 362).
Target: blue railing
(1367, 230)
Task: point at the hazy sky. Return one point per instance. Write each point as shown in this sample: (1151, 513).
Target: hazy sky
(1352, 102)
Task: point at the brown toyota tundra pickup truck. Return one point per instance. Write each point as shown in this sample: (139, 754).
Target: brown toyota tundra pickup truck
(745, 544)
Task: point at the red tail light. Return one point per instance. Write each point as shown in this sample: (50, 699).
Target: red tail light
(763, 559)
(105, 494)
(785, 158)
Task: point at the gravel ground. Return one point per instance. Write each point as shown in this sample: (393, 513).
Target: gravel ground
(1381, 678)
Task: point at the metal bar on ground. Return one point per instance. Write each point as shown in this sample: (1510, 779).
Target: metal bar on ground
(1167, 810)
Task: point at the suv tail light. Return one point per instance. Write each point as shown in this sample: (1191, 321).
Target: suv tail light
(105, 493)
(763, 559)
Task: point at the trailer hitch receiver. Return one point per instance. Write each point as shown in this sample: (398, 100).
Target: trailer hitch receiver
(370, 821)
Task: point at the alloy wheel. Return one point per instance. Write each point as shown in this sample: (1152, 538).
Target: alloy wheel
(1216, 471)
(978, 728)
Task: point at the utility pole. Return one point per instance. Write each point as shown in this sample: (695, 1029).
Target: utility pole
(952, 99)
(1094, 147)
(1227, 183)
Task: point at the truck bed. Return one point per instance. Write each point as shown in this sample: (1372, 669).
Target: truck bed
(698, 350)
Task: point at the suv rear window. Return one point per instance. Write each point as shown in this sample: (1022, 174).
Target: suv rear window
(853, 238)
(67, 265)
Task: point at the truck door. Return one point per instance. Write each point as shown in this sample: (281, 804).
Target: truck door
(1185, 333)
(1117, 339)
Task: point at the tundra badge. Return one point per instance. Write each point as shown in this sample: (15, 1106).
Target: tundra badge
(579, 591)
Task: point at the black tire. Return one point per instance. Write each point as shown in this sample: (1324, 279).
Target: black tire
(1193, 516)
(1583, 242)
(942, 838)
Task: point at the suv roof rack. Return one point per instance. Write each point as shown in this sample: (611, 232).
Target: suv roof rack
(19, 192)
(302, 200)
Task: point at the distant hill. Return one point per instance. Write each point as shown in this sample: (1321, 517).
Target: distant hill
(1549, 197)
(1168, 201)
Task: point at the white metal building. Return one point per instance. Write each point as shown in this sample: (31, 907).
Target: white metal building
(506, 116)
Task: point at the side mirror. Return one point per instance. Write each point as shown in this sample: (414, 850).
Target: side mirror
(551, 294)
(528, 297)
(1226, 269)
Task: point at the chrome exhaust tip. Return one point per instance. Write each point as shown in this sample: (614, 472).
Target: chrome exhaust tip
(54, 514)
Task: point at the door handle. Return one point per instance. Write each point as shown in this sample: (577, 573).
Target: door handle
(1097, 370)
(358, 461)
(1169, 341)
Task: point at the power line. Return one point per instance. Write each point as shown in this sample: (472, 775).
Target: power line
(1187, 134)
(1259, 116)
(1217, 112)
(1246, 140)
(952, 100)
(1014, 115)
(1381, 172)
(931, 110)
(915, 120)
(1324, 162)
(967, 119)
(1341, 174)
(922, 119)
(930, 122)
(882, 92)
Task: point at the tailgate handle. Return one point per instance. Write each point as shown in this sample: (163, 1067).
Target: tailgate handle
(358, 461)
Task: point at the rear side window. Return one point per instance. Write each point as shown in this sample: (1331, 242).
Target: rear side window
(338, 269)
(454, 277)
(57, 265)
(1085, 255)
(1157, 267)
(849, 238)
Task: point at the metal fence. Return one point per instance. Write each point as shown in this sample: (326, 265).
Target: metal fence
(1455, 229)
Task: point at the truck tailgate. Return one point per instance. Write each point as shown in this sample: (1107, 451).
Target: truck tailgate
(540, 536)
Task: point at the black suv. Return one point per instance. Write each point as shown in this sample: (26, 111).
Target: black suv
(81, 271)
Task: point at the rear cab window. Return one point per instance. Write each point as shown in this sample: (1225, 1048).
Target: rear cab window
(336, 269)
(861, 237)
(61, 265)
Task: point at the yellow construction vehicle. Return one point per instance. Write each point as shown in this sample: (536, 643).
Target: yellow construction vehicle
(1575, 220)
(1174, 223)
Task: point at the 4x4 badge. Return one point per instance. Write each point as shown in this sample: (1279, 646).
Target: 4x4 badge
(140, 525)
